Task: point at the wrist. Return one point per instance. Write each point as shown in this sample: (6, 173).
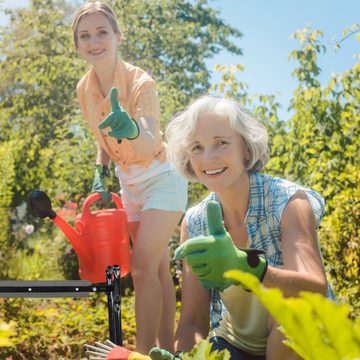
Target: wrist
(105, 171)
(257, 263)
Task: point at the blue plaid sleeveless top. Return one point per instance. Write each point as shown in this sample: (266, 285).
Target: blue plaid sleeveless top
(268, 199)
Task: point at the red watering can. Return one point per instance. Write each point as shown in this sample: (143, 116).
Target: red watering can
(100, 237)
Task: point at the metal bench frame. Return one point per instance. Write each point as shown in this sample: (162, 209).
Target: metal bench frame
(73, 288)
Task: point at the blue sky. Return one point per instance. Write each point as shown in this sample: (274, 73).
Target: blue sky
(266, 42)
(266, 26)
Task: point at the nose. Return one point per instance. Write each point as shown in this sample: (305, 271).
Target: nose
(209, 153)
(94, 40)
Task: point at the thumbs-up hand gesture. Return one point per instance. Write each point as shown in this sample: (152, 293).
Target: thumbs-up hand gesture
(210, 256)
(121, 124)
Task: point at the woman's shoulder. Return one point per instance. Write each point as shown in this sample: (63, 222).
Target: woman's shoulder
(275, 186)
(278, 191)
(136, 73)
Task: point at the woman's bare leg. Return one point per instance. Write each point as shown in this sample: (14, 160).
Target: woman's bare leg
(153, 233)
(165, 338)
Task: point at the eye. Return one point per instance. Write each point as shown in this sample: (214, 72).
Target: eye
(103, 32)
(195, 149)
(84, 36)
(222, 142)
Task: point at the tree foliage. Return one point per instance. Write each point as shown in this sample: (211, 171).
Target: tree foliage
(323, 147)
(38, 111)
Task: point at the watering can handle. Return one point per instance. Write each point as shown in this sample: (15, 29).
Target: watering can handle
(95, 197)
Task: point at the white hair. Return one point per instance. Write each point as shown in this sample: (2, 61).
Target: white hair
(182, 127)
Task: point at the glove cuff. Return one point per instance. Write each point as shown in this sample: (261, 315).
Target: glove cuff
(102, 174)
(257, 261)
(179, 354)
(102, 170)
(136, 130)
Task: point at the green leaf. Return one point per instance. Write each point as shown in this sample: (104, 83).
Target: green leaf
(311, 322)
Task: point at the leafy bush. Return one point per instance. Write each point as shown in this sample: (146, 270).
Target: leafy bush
(7, 177)
(58, 328)
(315, 327)
(6, 331)
(340, 234)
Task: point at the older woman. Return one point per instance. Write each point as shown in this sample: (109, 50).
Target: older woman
(217, 143)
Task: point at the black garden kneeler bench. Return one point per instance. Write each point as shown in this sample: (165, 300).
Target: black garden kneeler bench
(73, 288)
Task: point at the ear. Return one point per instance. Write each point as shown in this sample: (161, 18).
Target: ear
(118, 39)
(247, 153)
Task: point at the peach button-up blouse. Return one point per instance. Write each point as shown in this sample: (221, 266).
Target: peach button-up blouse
(137, 95)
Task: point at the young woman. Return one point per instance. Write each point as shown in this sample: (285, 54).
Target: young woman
(120, 104)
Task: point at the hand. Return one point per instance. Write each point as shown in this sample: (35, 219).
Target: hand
(162, 354)
(210, 256)
(100, 182)
(121, 124)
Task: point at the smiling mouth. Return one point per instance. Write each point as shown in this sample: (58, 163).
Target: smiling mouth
(96, 52)
(215, 171)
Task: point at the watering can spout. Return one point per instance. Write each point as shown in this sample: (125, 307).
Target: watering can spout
(40, 203)
(78, 240)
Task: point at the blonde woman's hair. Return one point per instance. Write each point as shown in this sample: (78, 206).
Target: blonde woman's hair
(183, 126)
(91, 8)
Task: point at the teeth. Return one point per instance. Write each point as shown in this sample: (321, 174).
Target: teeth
(96, 52)
(212, 172)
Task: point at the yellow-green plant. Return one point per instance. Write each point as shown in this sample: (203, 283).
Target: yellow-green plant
(6, 331)
(7, 177)
(58, 328)
(315, 327)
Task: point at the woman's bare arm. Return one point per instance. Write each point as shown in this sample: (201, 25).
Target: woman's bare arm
(303, 269)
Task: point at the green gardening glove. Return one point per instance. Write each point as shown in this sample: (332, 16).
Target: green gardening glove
(102, 174)
(162, 354)
(210, 256)
(121, 124)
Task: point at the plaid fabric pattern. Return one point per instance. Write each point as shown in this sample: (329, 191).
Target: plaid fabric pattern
(268, 199)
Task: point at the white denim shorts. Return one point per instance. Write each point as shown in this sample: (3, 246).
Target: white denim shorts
(167, 191)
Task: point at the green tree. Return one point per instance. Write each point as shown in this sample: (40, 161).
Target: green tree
(7, 173)
(324, 148)
(38, 113)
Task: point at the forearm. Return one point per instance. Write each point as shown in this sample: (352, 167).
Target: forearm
(292, 282)
(302, 264)
(144, 145)
(102, 157)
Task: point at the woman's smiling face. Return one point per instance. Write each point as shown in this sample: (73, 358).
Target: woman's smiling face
(97, 41)
(217, 153)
